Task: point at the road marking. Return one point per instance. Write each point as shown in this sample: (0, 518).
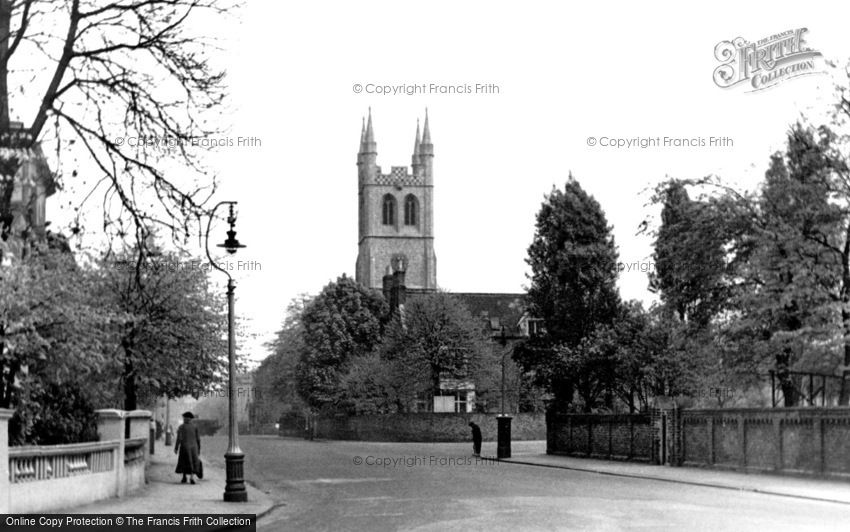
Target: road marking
(341, 480)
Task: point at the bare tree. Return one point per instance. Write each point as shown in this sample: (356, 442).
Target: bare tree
(125, 89)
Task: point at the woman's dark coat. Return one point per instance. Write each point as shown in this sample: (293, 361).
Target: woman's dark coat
(189, 446)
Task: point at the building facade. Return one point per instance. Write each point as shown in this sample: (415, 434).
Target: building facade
(395, 214)
(23, 213)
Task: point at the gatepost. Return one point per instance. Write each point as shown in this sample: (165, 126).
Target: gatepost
(110, 426)
(139, 423)
(5, 485)
(665, 423)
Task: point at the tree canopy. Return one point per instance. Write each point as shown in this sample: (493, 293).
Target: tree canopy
(573, 283)
(343, 322)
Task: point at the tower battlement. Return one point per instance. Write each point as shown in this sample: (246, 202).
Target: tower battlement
(396, 213)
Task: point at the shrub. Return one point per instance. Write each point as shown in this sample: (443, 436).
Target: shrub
(53, 414)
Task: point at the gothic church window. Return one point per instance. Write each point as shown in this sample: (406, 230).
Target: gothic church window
(411, 210)
(388, 210)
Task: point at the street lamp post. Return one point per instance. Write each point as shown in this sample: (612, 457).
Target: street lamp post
(234, 490)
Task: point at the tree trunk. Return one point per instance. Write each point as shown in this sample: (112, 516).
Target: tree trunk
(8, 385)
(844, 398)
(789, 391)
(130, 391)
(5, 31)
(8, 168)
(563, 392)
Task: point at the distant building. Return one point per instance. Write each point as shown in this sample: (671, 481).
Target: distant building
(396, 252)
(34, 182)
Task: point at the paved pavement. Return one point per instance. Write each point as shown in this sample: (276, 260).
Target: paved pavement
(333, 485)
(836, 491)
(164, 494)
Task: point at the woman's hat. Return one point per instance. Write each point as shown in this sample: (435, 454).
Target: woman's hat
(189, 415)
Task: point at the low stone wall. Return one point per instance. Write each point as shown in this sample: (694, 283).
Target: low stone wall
(52, 477)
(808, 441)
(422, 427)
(259, 429)
(607, 436)
(795, 441)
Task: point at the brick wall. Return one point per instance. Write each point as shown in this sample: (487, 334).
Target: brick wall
(800, 441)
(810, 441)
(619, 437)
(424, 427)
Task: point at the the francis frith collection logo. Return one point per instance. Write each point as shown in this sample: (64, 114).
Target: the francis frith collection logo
(764, 63)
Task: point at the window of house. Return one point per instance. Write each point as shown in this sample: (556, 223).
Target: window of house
(411, 213)
(388, 210)
(422, 402)
(460, 401)
(535, 327)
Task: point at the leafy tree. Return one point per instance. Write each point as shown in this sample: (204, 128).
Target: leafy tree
(343, 322)
(798, 255)
(775, 304)
(689, 255)
(437, 333)
(433, 339)
(376, 385)
(53, 335)
(170, 339)
(573, 264)
(591, 364)
(276, 379)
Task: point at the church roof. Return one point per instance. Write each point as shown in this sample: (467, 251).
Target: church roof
(497, 309)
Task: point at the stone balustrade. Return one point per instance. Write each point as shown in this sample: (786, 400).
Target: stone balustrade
(39, 478)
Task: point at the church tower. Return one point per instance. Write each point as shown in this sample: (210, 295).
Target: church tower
(396, 229)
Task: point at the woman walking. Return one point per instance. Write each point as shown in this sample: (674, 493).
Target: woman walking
(188, 449)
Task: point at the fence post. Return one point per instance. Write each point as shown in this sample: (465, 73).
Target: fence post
(772, 389)
(777, 435)
(678, 436)
(110, 427)
(710, 458)
(675, 436)
(5, 484)
(817, 426)
(742, 437)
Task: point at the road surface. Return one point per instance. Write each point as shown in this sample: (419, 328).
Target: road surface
(334, 485)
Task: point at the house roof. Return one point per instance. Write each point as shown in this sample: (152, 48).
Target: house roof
(497, 309)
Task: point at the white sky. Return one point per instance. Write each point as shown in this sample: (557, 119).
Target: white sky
(616, 69)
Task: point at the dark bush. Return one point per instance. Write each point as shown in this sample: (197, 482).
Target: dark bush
(52, 414)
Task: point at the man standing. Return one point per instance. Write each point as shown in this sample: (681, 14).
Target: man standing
(476, 439)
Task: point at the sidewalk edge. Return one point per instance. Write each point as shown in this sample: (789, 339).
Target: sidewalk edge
(676, 481)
